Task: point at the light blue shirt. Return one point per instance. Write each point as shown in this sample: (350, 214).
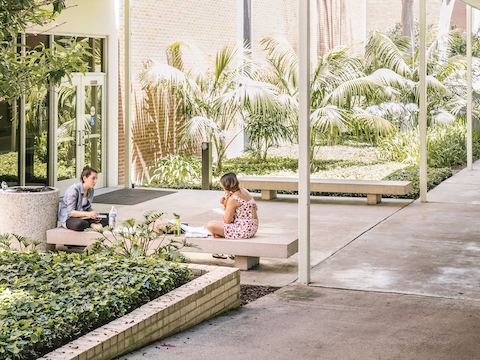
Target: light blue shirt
(73, 200)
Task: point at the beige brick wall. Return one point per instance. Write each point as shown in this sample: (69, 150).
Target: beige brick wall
(211, 24)
(208, 25)
(276, 18)
(383, 14)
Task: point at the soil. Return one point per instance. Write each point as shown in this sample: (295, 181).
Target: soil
(249, 293)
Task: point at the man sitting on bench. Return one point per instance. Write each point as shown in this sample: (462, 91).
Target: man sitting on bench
(76, 211)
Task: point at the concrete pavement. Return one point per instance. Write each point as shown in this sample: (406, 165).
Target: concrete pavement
(402, 283)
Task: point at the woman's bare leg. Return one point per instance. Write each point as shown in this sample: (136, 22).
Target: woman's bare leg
(216, 228)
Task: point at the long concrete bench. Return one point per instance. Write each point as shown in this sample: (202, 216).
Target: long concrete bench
(247, 251)
(373, 188)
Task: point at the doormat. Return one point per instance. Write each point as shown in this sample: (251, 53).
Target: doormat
(130, 196)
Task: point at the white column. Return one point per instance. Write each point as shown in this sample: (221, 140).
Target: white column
(469, 90)
(127, 91)
(304, 143)
(22, 154)
(422, 118)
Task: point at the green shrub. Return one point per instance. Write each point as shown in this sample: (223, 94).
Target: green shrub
(141, 239)
(250, 165)
(446, 146)
(48, 299)
(173, 169)
(411, 173)
(9, 167)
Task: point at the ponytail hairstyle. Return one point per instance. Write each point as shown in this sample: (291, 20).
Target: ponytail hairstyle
(230, 182)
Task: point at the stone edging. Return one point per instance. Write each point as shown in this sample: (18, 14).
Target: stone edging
(214, 291)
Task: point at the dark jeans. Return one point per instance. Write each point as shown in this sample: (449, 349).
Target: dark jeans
(78, 224)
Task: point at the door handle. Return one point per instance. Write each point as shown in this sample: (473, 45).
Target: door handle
(81, 137)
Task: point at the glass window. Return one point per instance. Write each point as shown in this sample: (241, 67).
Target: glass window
(97, 48)
(37, 114)
(9, 144)
(95, 60)
(93, 126)
(67, 132)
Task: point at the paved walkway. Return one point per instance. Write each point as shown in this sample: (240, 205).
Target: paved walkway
(408, 288)
(330, 230)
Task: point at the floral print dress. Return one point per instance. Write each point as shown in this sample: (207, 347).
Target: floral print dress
(244, 226)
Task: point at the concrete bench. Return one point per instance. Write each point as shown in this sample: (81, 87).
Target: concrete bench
(61, 237)
(373, 188)
(247, 251)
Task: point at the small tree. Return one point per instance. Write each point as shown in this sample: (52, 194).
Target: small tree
(21, 72)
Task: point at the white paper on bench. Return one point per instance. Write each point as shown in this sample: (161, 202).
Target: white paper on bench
(195, 232)
(219, 211)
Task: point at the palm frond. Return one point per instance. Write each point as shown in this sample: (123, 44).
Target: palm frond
(381, 49)
(255, 95)
(351, 88)
(388, 77)
(329, 119)
(223, 60)
(199, 128)
(157, 73)
(373, 122)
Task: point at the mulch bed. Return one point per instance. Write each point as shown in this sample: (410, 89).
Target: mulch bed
(249, 293)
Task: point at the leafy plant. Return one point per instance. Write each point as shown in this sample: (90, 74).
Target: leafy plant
(18, 242)
(174, 169)
(446, 146)
(148, 238)
(39, 66)
(212, 101)
(266, 131)
(411, 173)
(49, 299)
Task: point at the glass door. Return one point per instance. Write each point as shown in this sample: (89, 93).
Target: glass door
(80, 128)
(92, 130)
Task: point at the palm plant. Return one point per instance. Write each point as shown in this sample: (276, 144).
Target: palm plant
(339, 88)
(212, 101)
(445, 83)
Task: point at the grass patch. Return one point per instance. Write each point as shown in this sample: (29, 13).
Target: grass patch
(49, 299)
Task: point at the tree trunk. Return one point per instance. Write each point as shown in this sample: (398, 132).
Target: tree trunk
(407, 18)
(444, 28)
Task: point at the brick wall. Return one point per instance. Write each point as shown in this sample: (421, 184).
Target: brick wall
(383, 14)
(210, 25)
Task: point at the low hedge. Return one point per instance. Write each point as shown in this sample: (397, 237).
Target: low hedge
(49, 299)
(411, 173)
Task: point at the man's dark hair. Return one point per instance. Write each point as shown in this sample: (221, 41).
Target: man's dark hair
(87, 171)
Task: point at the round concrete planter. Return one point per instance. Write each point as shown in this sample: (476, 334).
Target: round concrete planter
(28, 214)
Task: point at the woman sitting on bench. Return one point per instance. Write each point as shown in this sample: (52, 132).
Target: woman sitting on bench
(240, 220)
(76, 211)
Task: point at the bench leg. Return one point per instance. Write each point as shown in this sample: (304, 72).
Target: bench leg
(246, 262)
(373, 199)
(59, 247)
(269, 194)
